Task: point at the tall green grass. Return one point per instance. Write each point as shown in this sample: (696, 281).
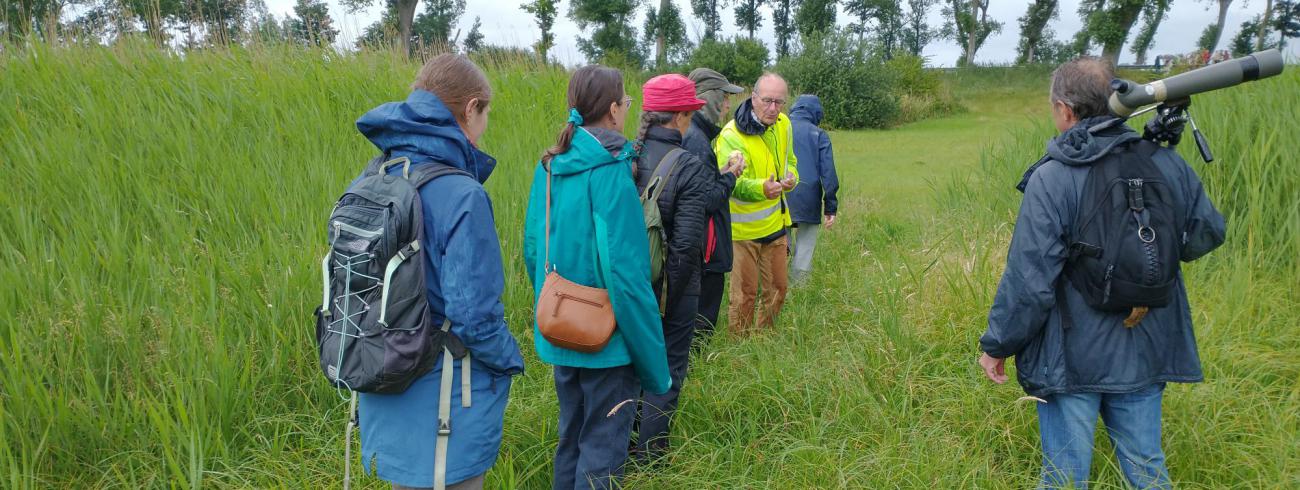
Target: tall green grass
(161, 214)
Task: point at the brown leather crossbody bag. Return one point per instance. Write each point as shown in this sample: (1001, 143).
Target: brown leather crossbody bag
(571, 315)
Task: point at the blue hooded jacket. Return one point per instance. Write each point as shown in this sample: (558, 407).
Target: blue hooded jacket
(465, 283)
(1098, 353)
(818, 184)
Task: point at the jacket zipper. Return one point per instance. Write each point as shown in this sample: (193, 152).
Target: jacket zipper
(593, 304)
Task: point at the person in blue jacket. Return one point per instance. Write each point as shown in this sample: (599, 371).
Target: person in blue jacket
(813, 200)
(1092, 364)
(597, 239)
(445, 114)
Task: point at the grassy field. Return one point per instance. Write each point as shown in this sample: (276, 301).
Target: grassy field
(162, 217)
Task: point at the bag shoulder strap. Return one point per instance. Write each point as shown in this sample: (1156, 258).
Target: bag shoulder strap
(423, 174)
(659, 179)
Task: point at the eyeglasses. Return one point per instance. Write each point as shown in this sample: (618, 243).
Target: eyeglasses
(768, 101)
(627, 101)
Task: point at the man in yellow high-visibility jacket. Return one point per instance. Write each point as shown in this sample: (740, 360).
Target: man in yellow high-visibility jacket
(759, 215)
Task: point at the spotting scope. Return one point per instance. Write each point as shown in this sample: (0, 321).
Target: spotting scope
(1129, 96)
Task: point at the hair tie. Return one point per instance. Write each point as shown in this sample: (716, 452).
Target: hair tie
(574, 117)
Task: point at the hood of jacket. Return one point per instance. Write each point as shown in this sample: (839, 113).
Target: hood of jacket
(592, 147)
(423, 129)
(1090, 140)
(807, 108)
(709, 128)
(746, 121)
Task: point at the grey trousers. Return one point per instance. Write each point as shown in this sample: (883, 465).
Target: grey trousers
(475, 483)
(805, 241)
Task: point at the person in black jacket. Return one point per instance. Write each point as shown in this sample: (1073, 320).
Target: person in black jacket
(714, 90)
(669, 102)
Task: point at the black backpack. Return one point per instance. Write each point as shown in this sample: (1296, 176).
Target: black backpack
(374, 329)
(1125, 241)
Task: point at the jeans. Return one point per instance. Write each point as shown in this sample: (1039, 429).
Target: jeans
(593, 440)
(805, 241)
(655, 412)
(1066, 424)
(757, 268)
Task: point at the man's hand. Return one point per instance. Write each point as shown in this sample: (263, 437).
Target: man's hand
(994, 368)
(789, 181)
(828, 221)
(772, 188)
(735, 164)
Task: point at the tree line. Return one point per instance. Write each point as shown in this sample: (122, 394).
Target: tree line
(890, 27)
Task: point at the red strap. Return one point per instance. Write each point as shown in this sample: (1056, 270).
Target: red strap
(711, 243)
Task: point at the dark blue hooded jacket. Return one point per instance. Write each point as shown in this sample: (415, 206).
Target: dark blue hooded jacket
(1098, 353)
(465, 283)
(815, 194)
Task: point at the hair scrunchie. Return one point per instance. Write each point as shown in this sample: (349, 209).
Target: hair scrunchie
(575, 117)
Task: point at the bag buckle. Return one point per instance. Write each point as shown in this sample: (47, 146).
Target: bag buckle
(444, 428)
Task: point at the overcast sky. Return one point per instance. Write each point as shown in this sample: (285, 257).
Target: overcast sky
(504, 23)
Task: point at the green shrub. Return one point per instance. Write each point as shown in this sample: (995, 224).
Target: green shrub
(741, 60)
(857, 90)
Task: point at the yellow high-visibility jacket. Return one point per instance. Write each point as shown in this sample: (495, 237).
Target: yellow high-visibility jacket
(768, 155)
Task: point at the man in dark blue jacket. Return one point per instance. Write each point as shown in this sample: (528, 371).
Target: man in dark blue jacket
(814, 198)
(1091, 363)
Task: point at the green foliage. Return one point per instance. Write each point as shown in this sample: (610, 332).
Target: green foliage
(1152, 15)
(1208, 37)
(614, 40)
(815, 18)
(436, 24)
(882, 18)
(1107, 23)
(161, 223)
(710, 13)
(968, 23)
(748, 17)
(544, 14)
(855, 86)
(1033, 30)
(474, 39)
(740, 59)
(311, 23)
(667, 24)
(916, 32)
(783, 25)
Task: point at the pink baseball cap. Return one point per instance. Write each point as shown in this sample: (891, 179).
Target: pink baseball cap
(670, 93)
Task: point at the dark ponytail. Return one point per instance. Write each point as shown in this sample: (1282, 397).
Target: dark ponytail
(592, 89)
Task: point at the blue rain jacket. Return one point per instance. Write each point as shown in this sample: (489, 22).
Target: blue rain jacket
(818, 184)
(465, 282)
(1098, 353)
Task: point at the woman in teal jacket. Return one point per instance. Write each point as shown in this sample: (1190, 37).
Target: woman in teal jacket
(598, 239)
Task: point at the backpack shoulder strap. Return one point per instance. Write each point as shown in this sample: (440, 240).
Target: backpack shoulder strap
(663, 173)
(423, 174)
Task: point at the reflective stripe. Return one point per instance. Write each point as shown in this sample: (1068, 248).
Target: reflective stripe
(397, 260)
(756, 215)
(325, 273)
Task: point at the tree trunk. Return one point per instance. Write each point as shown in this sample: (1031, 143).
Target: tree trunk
(1223, 16)
(970, 32)
(1263, 26)
(661, 44)
(1126, 16)
(405, 16)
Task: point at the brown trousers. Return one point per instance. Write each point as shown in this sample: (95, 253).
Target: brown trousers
(757, 268)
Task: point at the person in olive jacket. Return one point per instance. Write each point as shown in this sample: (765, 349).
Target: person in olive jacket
(686, 183)
(706, 123)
